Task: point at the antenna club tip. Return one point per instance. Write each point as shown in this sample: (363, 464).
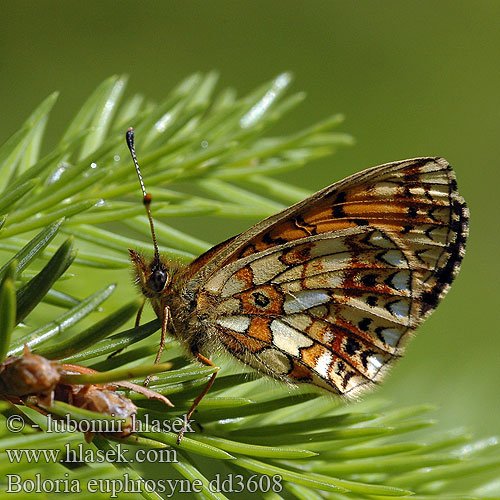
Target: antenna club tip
(147, 199)
(129, 136)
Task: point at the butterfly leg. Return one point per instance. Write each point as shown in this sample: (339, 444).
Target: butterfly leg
(203, 393)
(139, 314)
(164, 325)
(137, 321)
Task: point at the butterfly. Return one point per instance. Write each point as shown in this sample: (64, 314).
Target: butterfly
(326, 292)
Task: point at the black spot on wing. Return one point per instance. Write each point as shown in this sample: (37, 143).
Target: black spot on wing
(337, 208)
(346, 379)
(360, 222)
(364, 357)
(412, 212)
(269, 240)
(364, 324)
(351, 346)
(378, 333)
(338, 212)
(260, 299)
(369, 280)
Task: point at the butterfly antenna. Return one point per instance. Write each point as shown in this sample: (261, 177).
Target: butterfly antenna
(146, 197)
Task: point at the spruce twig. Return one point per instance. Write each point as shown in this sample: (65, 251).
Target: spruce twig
(309, 445)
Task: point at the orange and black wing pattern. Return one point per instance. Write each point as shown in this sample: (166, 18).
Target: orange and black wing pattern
(328, 291)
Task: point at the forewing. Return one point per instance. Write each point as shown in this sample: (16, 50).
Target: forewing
(208, 258)
(328, 290)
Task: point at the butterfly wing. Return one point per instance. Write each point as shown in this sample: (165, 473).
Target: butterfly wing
(328, 290)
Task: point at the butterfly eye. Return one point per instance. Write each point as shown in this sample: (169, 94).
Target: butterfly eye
(158, 279)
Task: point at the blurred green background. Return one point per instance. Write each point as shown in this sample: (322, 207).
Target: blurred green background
(413, 79)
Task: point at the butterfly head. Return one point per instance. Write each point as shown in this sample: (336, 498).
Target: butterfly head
(153, 277)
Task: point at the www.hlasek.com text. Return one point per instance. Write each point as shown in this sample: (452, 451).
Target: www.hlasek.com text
(81, 454)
